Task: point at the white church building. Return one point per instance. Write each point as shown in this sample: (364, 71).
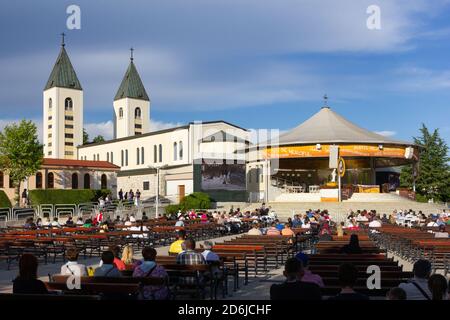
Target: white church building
(177, 155)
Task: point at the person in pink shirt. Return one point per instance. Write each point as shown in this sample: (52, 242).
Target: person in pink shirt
(308, 276)
(287, 231)
(204, 217)
(273, 231)
(192, 215)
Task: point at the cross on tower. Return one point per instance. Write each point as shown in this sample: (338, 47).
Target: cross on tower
(325, 100)
(131, 55)
(62, 36)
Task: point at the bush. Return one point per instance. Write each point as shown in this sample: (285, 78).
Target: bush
(4, 200)
(100, 193)
(196, 200)
(421, 198)
(172, 208)
(60, 196)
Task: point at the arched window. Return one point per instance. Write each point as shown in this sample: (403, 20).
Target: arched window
(126, 157)
(107, 156)
(50, 180)
(112, 157)
(160, 153)
(50, 103)
(155, 153)
(181, 149)
(98, 157)
(74, 180)
(68, 104)
(39, 180)
(87, 181)
(137, 156)
(121, 158)
(1, 179)
(104, 184)
(137, 113)
(142, 155)
(175, 151)
(120, 112)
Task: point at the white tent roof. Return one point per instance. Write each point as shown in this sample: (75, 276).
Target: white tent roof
(326, 126)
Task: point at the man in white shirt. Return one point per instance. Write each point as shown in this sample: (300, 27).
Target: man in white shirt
(179, 223)
(254, 231)
(72, 267)
(208, 254)
(432, 224)
(441, 233)
(375, 223)
(55, 223)
(417, 287)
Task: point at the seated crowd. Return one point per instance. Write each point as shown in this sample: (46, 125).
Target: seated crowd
(300, 283)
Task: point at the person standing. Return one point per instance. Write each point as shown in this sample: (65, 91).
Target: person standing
(131, 195)
(25, 197)
(138, 197)
(121, 195)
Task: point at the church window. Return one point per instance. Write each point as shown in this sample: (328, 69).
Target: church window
(68, 104)
(137, 113)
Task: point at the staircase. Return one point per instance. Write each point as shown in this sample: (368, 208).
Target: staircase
(377, 197)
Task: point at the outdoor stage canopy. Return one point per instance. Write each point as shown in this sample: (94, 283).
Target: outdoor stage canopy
(312, 139)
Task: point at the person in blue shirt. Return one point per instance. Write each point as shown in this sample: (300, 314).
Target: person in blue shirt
(279, 225)
(296, 222)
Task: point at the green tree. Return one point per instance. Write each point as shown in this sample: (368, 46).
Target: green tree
(98, 138)
(21, 152)
(85, 136)
(433, 180)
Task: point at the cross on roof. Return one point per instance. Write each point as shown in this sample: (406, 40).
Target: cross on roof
(62, 36)
(131, 55)
(325, 100)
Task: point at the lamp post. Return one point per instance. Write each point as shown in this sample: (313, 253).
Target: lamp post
(158, 168)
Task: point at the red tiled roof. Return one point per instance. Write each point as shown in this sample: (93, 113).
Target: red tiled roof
(79, 163)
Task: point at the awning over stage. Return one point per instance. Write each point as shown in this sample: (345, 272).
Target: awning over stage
(326, 126)
(313, 138)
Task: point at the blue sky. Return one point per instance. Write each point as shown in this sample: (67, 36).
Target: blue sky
(258, 64)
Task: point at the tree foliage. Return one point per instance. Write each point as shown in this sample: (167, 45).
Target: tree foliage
(98, 138)
(21, 152)
(433, 180)
(85, 136)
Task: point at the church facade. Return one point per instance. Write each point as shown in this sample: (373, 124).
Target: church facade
(169, 160)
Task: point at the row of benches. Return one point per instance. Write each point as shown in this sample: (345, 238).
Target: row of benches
(412, 244)
(52, 243)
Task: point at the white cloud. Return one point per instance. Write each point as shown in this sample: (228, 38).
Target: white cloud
(416, 78)
(156, 125)
(220, 54)
(106, 129)
(386, 133)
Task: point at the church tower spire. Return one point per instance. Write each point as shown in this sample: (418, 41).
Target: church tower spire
(131, 104)
(63, 109)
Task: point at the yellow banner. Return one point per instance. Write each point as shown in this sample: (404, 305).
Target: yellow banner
(311, 151)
